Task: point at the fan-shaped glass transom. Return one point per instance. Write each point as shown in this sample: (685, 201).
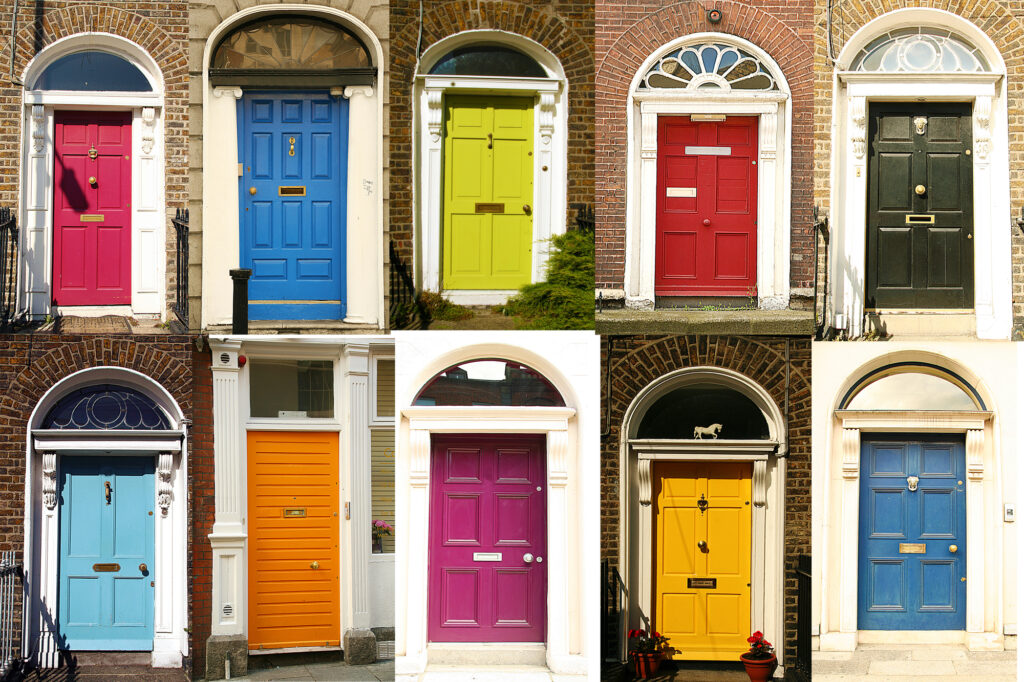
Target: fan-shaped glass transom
(490, 382)
(705, 412)
(488, 60)
(912, 391)
(106, 407)
(920, 50)
(290, 44)
(709, 66)
(93, 71)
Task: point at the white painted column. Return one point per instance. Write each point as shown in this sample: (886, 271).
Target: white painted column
(362, 279)
(645, 548)
(986, 257)
(36, 233)
(166, 646)
(759, 499)
(544, 169)
(49, 546)
(769, 291)
(849, 539)
(228, 537)
(149, 213)
(562, 585)
(430, 191)
(640, 293)
(850, 265)
(416, 541)
(976, 547)
(356, 475)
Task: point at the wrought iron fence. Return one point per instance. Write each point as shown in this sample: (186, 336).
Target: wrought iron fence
(803, 617)
(407, 310)
(10, 575)
(585, 221)
(613, 610)
(8, 267)
(180, 222)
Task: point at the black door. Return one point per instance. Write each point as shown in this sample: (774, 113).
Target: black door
(920, 212)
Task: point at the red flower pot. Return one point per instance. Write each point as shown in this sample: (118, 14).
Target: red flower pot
(645, 664)
(759, 669)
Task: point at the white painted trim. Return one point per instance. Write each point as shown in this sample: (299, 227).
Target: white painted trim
(377, 420)
(550, 186)
(774, 111)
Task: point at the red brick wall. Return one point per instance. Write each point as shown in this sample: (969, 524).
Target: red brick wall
(628, 32)
(636, 361)
(201, 497)
(565, 27)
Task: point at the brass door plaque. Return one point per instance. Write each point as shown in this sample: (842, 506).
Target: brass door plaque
(701, 583)
(106, 568)
(912, 548)
(490, 208)
(92, 217)
(295, 513)
(291, 191)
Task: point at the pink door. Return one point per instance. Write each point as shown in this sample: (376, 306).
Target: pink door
(92, 208)
(488, 517)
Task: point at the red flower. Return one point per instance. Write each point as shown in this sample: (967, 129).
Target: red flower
(657, 634)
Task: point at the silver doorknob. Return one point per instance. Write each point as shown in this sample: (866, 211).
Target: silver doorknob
(528, 558)
(952, 549)
(707, 221)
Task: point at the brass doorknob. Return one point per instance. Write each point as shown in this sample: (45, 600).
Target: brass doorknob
(315, 565)
(143, 567)
(919, 190)
(527, 209)
(92, 179)
(702, 546)
(252, 190)
(952, 549)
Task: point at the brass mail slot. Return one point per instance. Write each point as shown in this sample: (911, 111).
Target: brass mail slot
(701, 583)
(92, 217)
(106, 568)
(913, 548)
(490, 208)
(291, 191)
(295, 513)
(920, 219)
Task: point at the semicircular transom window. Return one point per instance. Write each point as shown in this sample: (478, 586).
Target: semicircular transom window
(489, 382)
(94, 71)
(105, 406)
(488, 60)
(913, 391)
(920, 50)
(704, 411)
(708, 66)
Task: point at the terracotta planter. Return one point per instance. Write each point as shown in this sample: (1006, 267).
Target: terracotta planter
(645, 664)
(760, 669)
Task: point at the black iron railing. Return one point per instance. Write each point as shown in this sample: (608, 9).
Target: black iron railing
(585, 221)
(613, 610)
(180, 222)
(10, 585)
(8, 267)
(803, 617)
(407, 310)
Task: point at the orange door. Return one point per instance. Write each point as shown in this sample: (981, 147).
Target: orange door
(294, 582)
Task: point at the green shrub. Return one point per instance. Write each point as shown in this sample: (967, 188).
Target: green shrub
(566, 299)
(440, 308)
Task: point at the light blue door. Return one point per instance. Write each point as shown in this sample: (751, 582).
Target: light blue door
(913, 530)
(294, 148)
(106, 574)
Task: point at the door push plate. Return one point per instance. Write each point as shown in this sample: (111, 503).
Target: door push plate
(486, 556)
(490, 208)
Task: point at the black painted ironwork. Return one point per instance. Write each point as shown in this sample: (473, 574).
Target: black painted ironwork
(8, 267)
(105, 406)
(180, 222)
(585, 220)
(407, 310)
(802, 669)
(613, 609)
(10, 574)
(240, 300)
(822, 235)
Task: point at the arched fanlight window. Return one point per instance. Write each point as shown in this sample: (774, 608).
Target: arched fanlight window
(920, 50)
(709, 66)
(291, 50)
(704, 411)
(94, 71)
(488, 60)
(912, 386)
(489, 382)
(106, 406)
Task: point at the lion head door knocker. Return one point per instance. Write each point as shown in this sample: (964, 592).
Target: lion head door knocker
(93, 153)
(920, 123)
(702, 503)
(912, 483)
(700, 431)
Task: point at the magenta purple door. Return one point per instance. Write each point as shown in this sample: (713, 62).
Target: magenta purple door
(488, 520)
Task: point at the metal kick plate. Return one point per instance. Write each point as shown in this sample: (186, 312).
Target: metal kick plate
(106, 568)
(295, 513)
(913, 548)
(490, 208)
(486, 556)
(291, 191)
(680, 191)
(920, 219)
(92, 217)
(701, 583)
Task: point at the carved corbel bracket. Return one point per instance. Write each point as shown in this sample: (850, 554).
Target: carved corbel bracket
(50, 480)
(975, 454)
(419, 457)
(435, 113)
(851, 454)
(643, 468)
(546, 122)
(858, 132)
(148, 129)
(38, 127)
(163, 471)
(982, 130)
(759, 484)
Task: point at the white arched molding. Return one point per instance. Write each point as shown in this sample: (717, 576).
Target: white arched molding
(550, 135)
(638, 457)
(148, 205)
(45, 448)
(364, 223)
(774, 111)
(853, 93)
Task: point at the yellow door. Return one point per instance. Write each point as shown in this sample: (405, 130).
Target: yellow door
(702, 558)
(488, 192)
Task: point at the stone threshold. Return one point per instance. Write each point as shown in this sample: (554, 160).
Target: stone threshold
(706, 322)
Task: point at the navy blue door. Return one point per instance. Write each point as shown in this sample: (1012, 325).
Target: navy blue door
(105, 590)
(293, 203)
(913, 530)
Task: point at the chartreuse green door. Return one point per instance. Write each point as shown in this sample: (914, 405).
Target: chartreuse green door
(488, 192)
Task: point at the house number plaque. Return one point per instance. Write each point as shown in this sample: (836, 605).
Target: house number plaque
(912, 548)
(701, 583)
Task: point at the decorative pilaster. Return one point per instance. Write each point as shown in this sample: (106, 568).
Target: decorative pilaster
(356, 430)
(640, 292)
(430, 191)
(163, 472)
(544, 166)
(769, 290)
(976, 545)
(558, 545)
(415, 538)
(546, 119)
(849, 530)
(362, 232)
(987, 246)
(50, 480)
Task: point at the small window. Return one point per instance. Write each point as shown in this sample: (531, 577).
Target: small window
(912, 391)
(704, 412)
(490, 382)
(488, 60)
(920, 50)
(385, 389)
(93, 70)
(106, 407)
(291, 389)
(382, 465)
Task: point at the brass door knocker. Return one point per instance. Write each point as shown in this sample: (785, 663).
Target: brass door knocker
(702, 504)
(93, 153)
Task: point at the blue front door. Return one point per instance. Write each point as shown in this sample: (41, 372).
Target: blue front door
(913, 530)
(293, 184)
(106, 573)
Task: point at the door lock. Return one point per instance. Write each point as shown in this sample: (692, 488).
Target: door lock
(528, 558)
(703, 546)
(952, 549)
(912, 483)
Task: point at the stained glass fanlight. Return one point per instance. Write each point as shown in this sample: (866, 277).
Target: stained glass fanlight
(920, 50)
(106, 406)
(709, 66)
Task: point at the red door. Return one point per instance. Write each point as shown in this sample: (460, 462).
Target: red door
(707, 207)
(92, 208)
(488, 539)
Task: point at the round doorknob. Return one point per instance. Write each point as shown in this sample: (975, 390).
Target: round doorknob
(92, 179)
(702, 546)
(252, 190)
(952, 549)
(315, 565)
(707, 221)
(143, 567)
(528, 558)
(919, 190)
(527, 209)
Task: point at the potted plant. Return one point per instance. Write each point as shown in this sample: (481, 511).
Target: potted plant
(646, 651)
(760, 662)
(380, 528)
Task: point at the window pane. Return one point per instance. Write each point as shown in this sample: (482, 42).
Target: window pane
(716, 412)
(291, 389)
(488, 60)
(920, 50)
(382, 464)
(92, 70)
(723, 67)
(385, 388)
(290, 43)
(912, 391)
(490, 382)
(106, 407)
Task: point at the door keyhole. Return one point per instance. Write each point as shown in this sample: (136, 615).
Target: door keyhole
(106, 488)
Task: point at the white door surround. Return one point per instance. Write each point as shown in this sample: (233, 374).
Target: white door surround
(853, 93)
(550, 136)
(44, 450)
(775, 123)
(768, 489)
(148, 210)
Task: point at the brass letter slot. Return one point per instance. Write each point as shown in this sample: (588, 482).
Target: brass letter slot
(106, 568)
(92, 218)
(486, 556)
(920, 219)
(490, 208)
(701, 583)
(295, 513)
(912, 548)
(293, 191)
